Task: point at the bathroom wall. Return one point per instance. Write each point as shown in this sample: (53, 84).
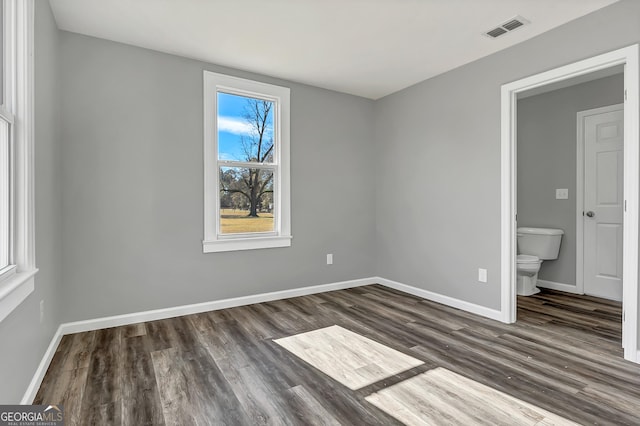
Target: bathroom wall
(547, 160)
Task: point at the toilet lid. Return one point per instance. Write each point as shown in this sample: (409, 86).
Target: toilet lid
(527, 258)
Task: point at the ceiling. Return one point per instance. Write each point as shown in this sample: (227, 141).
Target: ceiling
(369, 48)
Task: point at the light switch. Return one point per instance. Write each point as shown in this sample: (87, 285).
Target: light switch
(562, 194)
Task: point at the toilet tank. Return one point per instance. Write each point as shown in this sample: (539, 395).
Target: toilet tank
(541, 242)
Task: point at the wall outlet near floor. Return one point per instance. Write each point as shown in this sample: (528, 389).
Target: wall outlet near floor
(482, 275)
(41, 311)
(329, 258)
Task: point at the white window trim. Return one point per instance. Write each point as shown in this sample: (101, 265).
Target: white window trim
(213, 242)
(19, 282)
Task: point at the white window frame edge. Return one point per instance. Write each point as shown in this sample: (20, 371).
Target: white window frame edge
(629, 57)
(212, 243)
(16, 288)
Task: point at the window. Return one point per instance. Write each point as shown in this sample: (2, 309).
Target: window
(246, 149)
(17, 257)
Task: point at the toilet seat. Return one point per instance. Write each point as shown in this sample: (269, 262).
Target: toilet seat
(527, 258)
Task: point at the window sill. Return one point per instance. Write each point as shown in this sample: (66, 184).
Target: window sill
(246, 244)
(14, 290)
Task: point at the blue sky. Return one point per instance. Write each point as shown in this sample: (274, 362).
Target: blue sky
(232, 126)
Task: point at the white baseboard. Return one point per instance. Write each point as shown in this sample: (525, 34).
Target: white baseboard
(567, 288)
(176, 311)
(32, 390)
(445, 300)
(157, 314)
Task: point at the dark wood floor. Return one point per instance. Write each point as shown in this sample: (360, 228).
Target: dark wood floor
(222, 367)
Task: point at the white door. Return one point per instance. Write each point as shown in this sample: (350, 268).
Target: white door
(603, 201)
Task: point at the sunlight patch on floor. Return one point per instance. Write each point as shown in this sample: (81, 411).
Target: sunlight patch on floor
(442, 397)
(351, 359)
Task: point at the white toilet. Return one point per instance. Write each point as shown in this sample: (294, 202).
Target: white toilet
(534, 246)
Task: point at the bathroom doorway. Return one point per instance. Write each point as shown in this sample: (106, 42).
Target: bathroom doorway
(587, 70)
(550, 159)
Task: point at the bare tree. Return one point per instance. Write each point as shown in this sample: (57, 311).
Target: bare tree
(256, 184)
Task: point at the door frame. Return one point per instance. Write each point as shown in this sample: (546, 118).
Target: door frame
(580, 176)
(627, 56)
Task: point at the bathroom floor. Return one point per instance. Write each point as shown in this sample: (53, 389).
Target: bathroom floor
(587, 318)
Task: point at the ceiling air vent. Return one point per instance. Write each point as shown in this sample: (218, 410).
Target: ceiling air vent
(504, 28)
(496, 32)
(512, 25)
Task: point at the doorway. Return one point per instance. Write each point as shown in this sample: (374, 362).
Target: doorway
(628, 57)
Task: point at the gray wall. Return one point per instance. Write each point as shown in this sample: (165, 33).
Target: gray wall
(24, 339)
(438, 152)
(133, 186)
(547, 160)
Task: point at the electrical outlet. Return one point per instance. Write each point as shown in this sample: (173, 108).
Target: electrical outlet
(562, 194)
(482, 275)
(330, 259)
(41, 310)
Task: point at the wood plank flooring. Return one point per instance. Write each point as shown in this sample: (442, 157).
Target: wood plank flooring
(223, 367)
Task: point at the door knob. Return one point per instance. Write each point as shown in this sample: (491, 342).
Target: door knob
(590, 213)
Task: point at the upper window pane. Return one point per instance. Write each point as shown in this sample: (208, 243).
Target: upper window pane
(245, 129)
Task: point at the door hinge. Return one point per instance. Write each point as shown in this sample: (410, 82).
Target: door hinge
(625, 94)
(625, 205)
